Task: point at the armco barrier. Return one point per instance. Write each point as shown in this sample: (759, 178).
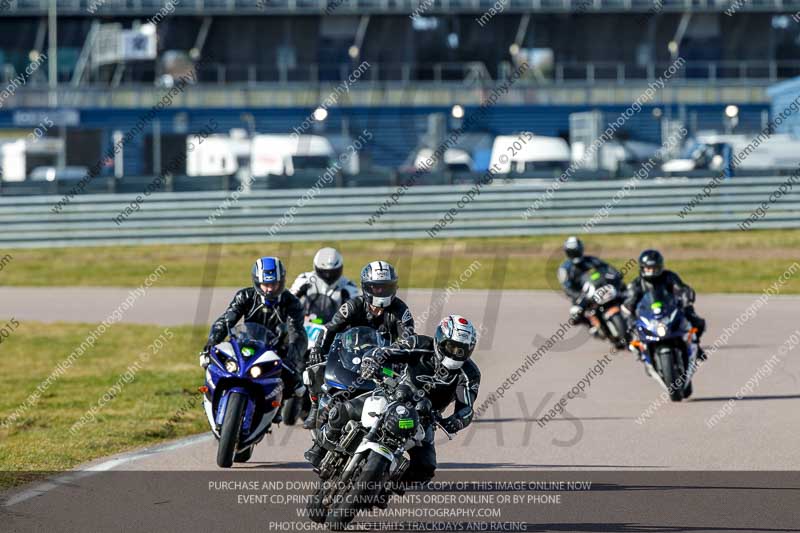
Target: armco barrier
(342, 213)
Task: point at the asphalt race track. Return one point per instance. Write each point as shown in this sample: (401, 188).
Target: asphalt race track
(637, 459)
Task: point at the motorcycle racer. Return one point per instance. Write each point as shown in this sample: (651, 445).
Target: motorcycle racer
(653, 277)
(378, 307)
(267, 302)
(441, 367)
(570, 275)
(324, 289)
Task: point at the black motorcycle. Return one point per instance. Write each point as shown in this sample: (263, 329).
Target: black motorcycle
(371, 456)
(601, 300)
(318, 310)
(342, 379)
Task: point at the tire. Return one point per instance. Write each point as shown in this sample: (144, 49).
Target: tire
(670, 371)
(243, 457)
(316, 511)
(345, 510)
(291, 410)
(617, 328)
(231, 427)
(688, 390)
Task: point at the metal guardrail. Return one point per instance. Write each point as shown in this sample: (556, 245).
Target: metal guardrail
(375, 95)
(278, 7)
(339, 214)
(471, 73)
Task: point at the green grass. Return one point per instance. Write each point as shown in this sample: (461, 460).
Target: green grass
(161, 403)
(711, 261)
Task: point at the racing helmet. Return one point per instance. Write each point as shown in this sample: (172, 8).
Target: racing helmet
(379, 283)
(454, 341)
(270, 272)
(651, 264)
(328, 265)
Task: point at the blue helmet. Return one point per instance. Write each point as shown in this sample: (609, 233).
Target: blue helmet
(271, 272)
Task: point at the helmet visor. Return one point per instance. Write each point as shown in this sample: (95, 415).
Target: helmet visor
(649, 271)
(381, 289)
(455, 350)
(329, 275)
(270, 288)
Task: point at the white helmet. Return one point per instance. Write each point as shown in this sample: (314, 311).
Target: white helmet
(454, 341)
(328, 264)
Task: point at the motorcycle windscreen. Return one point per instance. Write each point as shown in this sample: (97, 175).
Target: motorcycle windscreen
(355, 343)
(657, 305)
(254, 335)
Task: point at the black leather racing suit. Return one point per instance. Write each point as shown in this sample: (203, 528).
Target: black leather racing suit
(442, 387)
(570, 274)
(394, 323)
(285, 318)
(671, 283)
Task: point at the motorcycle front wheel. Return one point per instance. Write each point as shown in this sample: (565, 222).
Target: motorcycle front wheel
(671, 370)
(231, 427)
(345, 510)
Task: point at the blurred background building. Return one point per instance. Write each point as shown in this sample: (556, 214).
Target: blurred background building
(278, 90)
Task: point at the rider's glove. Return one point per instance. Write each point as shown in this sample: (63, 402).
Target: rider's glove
(370, 367)
(315, 356)
(452, 424)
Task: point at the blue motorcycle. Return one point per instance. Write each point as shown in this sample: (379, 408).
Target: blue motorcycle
(243, 391)
(666, 344)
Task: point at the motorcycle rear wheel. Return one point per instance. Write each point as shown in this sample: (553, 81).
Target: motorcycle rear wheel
(291, 410)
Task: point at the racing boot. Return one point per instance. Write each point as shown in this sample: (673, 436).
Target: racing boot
(326, 441)
(311, 420)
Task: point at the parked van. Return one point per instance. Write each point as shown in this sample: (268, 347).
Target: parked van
(277, 155)
(526, 152)
(283, 155)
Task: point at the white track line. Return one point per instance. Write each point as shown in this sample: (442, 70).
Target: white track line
(105, 466)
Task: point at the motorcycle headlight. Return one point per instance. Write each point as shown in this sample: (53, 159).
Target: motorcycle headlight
(255, 372)
(661, 329)
(231, 366)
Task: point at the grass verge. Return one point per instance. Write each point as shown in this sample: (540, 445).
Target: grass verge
(733, 261)
(159, 403)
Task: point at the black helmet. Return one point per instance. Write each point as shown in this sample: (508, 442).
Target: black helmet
(651, 264)
(269, 271)
(379, 283)
(454, 341)
(573, 247)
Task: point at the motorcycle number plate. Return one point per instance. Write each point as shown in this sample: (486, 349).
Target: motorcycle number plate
(604, 294)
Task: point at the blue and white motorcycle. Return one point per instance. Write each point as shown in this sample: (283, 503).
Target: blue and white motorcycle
(243, 391)
(666, 344)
